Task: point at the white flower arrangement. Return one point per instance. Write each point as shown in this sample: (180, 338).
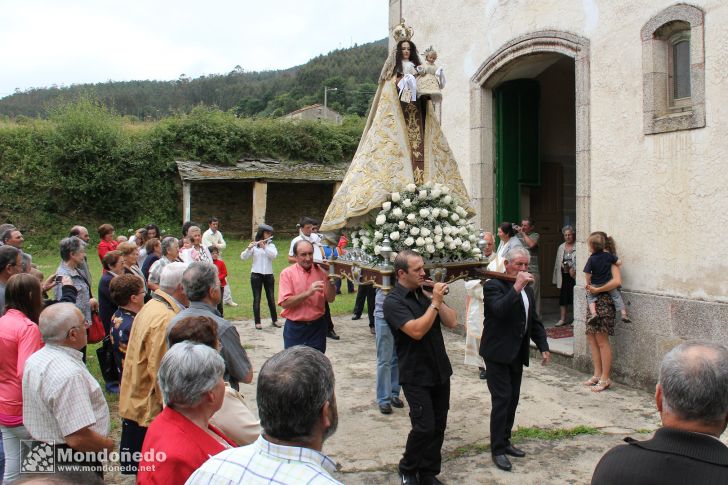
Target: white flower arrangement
(424, 218)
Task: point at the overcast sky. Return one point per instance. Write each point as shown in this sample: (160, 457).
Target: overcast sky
(46, 42)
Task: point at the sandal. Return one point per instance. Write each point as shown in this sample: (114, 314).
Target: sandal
(593, 381)
(258, 326)
(601, 386)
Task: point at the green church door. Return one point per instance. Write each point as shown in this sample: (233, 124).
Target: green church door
(517, 150)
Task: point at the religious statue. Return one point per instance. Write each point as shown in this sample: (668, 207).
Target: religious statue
(402, 142)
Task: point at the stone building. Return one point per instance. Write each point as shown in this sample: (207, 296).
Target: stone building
(608, 115)
(316, 112)
(255, 191)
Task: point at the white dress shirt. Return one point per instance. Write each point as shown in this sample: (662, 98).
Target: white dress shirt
(262, 258)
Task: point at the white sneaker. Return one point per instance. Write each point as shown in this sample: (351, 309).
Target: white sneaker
(231, 303)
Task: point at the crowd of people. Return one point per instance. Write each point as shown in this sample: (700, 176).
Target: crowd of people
(177, 363)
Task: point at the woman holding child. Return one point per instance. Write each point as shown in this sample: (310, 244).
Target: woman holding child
(603, 277)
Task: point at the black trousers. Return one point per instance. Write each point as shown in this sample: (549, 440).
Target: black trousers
(504, 384)
(258, 282)
(428, 414)
(368, 293)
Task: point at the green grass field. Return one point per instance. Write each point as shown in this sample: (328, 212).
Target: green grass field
(238, 279)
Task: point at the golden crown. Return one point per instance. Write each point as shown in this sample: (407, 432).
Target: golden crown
(402, 32)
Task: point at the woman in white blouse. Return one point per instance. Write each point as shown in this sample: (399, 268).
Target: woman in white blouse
(263, 252)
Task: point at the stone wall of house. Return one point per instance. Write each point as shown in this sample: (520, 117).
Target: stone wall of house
(287, 202)
(660, 195)
(229, 201)
(232, 203)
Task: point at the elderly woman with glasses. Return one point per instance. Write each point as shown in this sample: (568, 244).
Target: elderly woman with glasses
(73, 252)
(191, 380)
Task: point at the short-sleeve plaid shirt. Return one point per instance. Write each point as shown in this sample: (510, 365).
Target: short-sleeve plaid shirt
(263, 462)
(60, 396)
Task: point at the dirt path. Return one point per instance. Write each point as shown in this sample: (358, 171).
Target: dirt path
(368, 444)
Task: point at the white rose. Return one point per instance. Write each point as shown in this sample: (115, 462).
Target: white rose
(476, 251)
(425, 232)
(461, 211)
(448, 239)
(355, 242)
(386, 206)
(466, 246)
(424, 213)
(454, 217)
(438, 229)
(447, 230)
(428, 240)
(435, 193)
(381, 219)
(423, 194)
(444, 213)
(471, 238)
(420, 241)
(438, 237)
(409, 241)
(394, 236)
(411, 218)
(401, 224)
(396, 197)
(445, 189)
(427, 185)
(407, 203)
(463, 231)
(451, 246)
(447, 199)
(436, 212)
(439, 245)
(364, 240)
(411, 187)
(377, 249)
(463, 222)
(430, 248)
(458, 241)
(397, 212)
(414, 230)
(378, 235)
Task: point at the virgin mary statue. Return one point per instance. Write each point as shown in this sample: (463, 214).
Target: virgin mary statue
(402, 143)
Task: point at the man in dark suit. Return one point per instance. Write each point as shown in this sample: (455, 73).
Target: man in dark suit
(692, 398)
(510, 322)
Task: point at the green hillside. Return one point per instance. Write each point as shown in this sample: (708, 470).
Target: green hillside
(353, 71)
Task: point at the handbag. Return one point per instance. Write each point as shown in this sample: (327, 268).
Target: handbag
(96, 331)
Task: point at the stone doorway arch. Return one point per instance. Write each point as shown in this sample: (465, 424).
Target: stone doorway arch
(489, 75)
(525, 57)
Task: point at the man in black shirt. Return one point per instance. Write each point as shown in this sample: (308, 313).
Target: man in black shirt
(424, 368)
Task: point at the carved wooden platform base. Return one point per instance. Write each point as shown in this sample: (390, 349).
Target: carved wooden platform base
(384, 277)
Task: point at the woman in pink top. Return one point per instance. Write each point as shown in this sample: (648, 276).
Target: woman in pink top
(19, 339)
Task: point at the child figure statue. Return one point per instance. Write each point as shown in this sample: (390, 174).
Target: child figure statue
(431, 78)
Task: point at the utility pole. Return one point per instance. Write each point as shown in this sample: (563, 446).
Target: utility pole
(326, 96)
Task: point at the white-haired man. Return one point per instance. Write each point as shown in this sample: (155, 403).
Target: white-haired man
(140, 400)
(692, 399)
(62, 402)
(510, 322)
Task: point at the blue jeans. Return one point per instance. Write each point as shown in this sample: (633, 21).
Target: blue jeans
(387, 371)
